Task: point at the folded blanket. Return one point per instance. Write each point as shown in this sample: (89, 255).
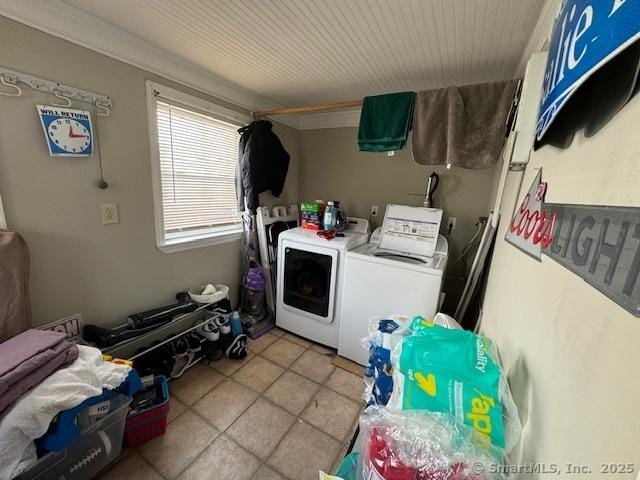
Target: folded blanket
(385, 122)
(27, 359)
(31, 415)
(462, 126)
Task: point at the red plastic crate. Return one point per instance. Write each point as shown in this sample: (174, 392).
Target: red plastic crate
(148, 424)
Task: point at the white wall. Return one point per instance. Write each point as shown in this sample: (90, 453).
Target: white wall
(79, 265)
(571, 353)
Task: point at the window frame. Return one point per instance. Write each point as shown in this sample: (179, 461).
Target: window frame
(199, 238)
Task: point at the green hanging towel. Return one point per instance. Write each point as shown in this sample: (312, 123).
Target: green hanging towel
(385, 121)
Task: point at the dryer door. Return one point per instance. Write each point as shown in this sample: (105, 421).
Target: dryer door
(308, 280)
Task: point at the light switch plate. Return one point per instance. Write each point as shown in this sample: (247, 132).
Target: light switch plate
(109, 213)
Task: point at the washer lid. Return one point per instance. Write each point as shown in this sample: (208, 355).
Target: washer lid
(370, 252)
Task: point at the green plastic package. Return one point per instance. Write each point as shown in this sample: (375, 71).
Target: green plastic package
(450, 371)
(348, 469)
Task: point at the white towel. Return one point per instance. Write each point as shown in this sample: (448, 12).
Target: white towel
(31, 415)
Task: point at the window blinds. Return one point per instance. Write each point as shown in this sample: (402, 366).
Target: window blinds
(198, 156)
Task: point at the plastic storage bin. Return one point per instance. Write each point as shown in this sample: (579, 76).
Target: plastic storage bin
(97, 446)
(150, 423)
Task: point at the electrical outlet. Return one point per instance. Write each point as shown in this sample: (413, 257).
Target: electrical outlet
(451, 223)
(109, 213)
(374, 210)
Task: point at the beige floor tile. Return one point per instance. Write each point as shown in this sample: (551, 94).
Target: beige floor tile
(283, 352)
(261, 427)
(278, 332)
(186, 437)
(313, 365)
(258, 374)
(297, 340)
(332, 413)
(195, 383)
(132, 466)
(266, 473)
(322, 349)
(348, 365)
(262, 342)
(347, 384)
(225, 403)
(227, 366)
(176, 408)
(292, 392)
(223, 460)
(303, 452)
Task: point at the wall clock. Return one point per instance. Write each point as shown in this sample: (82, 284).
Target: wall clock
(68, 132)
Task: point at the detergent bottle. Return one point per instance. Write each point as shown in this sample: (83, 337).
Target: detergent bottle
(236, 324)
(329, 220)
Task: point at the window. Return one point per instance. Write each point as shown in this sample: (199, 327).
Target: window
(194, 148)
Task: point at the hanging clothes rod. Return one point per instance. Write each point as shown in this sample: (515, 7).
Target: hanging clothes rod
(12, 79)
(316, 107)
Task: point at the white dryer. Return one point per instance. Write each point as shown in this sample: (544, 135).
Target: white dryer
(310, 280)
(384, 285)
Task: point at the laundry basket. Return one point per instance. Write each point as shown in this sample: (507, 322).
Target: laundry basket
(97, 446)
(149, 423)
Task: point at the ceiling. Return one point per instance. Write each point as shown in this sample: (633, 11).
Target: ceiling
(295, 52)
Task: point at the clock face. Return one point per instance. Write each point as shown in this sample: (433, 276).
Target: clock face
(69, 135)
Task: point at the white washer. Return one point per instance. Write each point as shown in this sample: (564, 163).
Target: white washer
(384, 286)
(310, 279)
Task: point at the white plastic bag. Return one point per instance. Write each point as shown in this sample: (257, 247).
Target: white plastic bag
(378, 342)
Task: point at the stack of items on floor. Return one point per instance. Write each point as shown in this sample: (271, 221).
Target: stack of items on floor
(212, 340)
(141, 323)
(439, 404)
(174, 354)
(65, 409)
(44, 383)
(29, 358)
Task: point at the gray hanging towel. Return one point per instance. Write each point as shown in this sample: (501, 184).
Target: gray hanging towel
(462, 126)
(385, 121)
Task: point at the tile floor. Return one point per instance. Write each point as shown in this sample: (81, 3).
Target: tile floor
(284, 412)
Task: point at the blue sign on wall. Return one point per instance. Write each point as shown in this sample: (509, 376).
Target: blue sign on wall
(67, 131)
(586, 34)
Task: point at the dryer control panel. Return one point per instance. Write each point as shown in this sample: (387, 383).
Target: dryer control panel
(357, 225)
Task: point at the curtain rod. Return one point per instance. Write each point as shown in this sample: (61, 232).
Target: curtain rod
(316, 107)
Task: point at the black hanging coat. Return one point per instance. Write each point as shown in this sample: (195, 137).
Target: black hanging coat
(262, 164)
